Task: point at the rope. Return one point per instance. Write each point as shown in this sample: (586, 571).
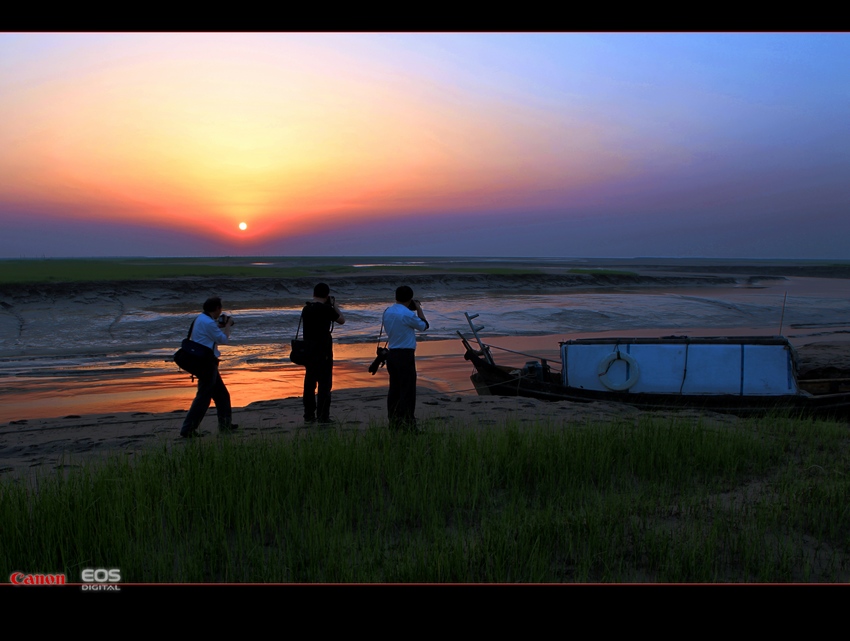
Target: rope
(453, 391)
(505, 349)
(475, 389)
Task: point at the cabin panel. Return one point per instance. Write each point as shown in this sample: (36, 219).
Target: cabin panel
(661, 368)
(713, 369)
(768, 370)
(581, 362)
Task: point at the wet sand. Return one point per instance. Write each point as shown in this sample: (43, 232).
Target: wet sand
(30, 447)
(440, 366)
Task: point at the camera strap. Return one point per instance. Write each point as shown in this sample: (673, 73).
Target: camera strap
(381, 331)
(189, 336)
(300, 318)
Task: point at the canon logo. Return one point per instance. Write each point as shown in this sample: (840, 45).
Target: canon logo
(19, 578)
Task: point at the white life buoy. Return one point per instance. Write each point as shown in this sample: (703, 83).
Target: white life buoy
(605, 365)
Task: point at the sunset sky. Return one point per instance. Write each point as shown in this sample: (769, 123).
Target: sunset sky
(489, 144)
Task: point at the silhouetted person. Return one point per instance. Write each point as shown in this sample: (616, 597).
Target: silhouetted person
(318, 316)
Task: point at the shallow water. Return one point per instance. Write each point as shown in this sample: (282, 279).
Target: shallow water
(109, 357)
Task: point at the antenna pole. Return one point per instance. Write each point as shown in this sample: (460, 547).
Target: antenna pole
(782, 318)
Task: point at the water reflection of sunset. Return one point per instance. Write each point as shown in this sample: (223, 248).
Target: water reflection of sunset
(162, 388)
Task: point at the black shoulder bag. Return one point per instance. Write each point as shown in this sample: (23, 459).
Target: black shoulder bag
(193, 357)
(298, 354)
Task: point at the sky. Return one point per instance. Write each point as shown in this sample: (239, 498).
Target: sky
(724, 145)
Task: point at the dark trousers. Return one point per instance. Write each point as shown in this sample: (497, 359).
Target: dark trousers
(210, 388)
(319, 372)
(401, 399)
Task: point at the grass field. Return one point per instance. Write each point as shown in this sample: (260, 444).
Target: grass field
(128, 269)
(94, 269)
(660, 500)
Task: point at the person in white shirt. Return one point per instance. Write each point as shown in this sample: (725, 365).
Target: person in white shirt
(401, 321)
(207, 332)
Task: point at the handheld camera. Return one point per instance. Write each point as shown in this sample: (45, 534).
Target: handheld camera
(379, 361)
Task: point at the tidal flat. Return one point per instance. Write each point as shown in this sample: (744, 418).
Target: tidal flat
(97, 335)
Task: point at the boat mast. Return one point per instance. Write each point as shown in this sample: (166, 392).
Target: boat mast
(485, 350)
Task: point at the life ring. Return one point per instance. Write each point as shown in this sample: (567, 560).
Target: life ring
(605, 365)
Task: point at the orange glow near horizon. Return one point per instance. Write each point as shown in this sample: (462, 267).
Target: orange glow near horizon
(204, 141)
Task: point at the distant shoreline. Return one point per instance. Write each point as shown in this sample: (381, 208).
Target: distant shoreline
(555, 271)
(381, 283)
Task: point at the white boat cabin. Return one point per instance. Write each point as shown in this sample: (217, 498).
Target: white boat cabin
(745, 366)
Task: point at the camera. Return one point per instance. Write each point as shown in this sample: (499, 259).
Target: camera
(379, 361)
(412, 305)
(222, 320)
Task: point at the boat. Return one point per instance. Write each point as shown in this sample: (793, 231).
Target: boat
(743, 375)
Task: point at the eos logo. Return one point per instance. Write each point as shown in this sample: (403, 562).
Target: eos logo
(101, 579)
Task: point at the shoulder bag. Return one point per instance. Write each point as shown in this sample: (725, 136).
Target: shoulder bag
(193, 357)
(298, 354)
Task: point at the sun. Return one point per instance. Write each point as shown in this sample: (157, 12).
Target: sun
(243, 226)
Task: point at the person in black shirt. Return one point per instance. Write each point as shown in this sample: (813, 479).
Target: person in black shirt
(319, 315)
